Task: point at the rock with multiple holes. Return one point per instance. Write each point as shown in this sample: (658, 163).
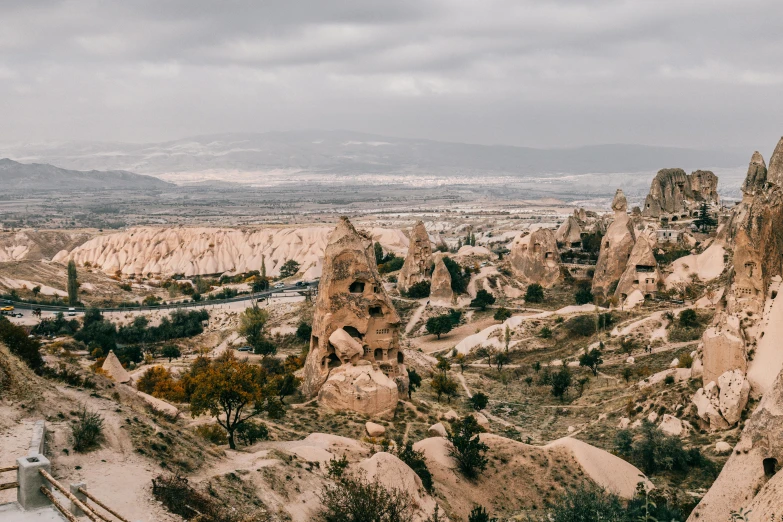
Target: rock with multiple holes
(616, 247)
(535, 258)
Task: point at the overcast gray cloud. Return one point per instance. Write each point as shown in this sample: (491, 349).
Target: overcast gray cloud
(703, 73)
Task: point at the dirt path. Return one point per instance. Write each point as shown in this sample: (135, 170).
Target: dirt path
(416, 316)
(430, 344)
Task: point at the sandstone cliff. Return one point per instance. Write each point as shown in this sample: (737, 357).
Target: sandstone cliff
(441, 293)
(641, 272)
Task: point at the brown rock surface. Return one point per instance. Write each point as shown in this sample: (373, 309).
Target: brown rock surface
(418, 262)
(569, 233)
(641, 272)
(674, 193)
(616, 248)
(440, 287)
(365, 372)
(535, 259)
(113, 368)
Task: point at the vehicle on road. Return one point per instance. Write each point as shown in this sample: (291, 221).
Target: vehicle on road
(280, 285)
(71, 312)
(7, 309)
(244, 349)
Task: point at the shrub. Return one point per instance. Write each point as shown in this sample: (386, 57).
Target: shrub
(212, 432)
(303, 332)
(251, 432)
(419, 290)
(584, 294)
(479, 401)
(587, 504)
(352, 498)
(416, 461)
(483, 300)
(392, 265)
(689, 318)
(86, 430)
(502, 314)
(545, 332)
(18, 342)
(668, 380)
(534, 293)
(686, 361)
(679, 334)
(592, 360)
(654, 451)
(466, 447)
(584, 325)
(479, 514)
(459, 276)
(439, 325)
(442, 384)
(180, 498)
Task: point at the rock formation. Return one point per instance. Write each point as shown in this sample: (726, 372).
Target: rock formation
(569, 234)
(418, 262)
(440, 288)
(641, 272)
(720, 404)
(616, 248)
(752, 472)
(675, 194)
(580, 214)
(113, 368)
(355, 360)
(534, 258)
(194, 251)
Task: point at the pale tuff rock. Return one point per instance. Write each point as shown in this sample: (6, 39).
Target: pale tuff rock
(569, 233)
(624, 423)
(580, 214)
(673, 426)
(757, 175)
(355, 360)
(641, 272)
(481, 419)
(450, 415)
(194, 251)
(535, 258)
(392, 473)
(374, 430)
(437, 430)
(359, 388)
(775, 171)
(113, 368)
(734, 392)
(724, 349)
(616, 248)
(440, 287)
(418, 262)
(721, 447)
(748, 479)
(721, 404)
(677, 194)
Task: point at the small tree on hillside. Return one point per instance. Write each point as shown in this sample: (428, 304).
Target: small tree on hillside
(479, 514)
(479, 401)
(73, 284)
(442, 384)
(414, 381)
(483, 300)
(534, 293)
(439, 325)
(230, 390)
(592, 359)
(501, 314)
(170, 352)
(289, 268)
(466, 447)
(378, 253)
(251, 326)
(584, 294)
(705, 221)
(561, 382)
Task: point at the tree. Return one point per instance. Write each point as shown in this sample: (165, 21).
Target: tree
(545, 332)
(439, 325)
(587, 504)
(459, 278)
(705, 221)
(462, 361)
(414, 382)
(627, 374)
(466, 447)
(419, 290)
(502, 359)
(483, 300)
(170, 352)
(73, 284)
(537, 366)
(529, 380)
(479, 514)
(251, 326)
(485, 353)
(442, 384)
(289, 268)
(561, 381)
(584, 294)
(27, 349)
(304, 331)
(378, 253)
(230, 390)
(580, 385)
(592, 360)
(416, 461)
(689, 319)
(479, 401)
(36, 290)
(534, 293)
(507, 337)
(443, 364)
(501, 314)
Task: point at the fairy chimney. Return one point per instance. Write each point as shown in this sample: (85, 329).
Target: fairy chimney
(440, 289)
(535, 258)
(616, 248)
(418, 262)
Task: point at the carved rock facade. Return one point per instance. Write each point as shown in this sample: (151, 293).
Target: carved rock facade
(418, 262)
(616, 248)
(675, 194)
(355, 361)
(534, 258)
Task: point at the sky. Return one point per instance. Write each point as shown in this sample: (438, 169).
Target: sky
(549, 73)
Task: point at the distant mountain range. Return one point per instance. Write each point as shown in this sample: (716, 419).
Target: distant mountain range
(352, 153)
(15, 176)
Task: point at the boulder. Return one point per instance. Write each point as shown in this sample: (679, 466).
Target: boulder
(416, 267)
(113, 368)
(450, 415)
(374, 430)
(616, 247)
(630, 360)
(392, 473)
(721, 447)
(624, 423)
(733, 397)
(355, 338)
(652, 417)
(440, 287)
(675, 363)
(359, 388)
(481, 419)
(535, 258)
(437, 430)
(708, 407)
(673, 426)
(723, 351)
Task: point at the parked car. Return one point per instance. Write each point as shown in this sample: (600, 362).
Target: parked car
(7, 309)
(71, 312)
(244, 349)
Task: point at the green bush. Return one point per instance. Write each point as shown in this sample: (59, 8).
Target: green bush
(250, 432)
(460, 277)
(584, 294)
(689, 318)
(352, 499)
(392, 265)
(502, 313)
(466, 447)
(86, 430)
(483, 300)
(584, 325)
(416, 461)
(418, 290)
(679, 334)
(653, 451)
(478, 401)
(534, 293)
(18, 342)
(214, 433)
